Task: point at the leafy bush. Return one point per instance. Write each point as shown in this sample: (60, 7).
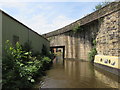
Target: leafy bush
(92, 52)
(46, 53)
(76, 28)
(51, 55)
(27, 46)
(20, 68)
(44, 50)
(14, 67)
(46, 62)
(100, 5)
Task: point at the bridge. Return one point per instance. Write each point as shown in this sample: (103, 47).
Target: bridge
(101, 25)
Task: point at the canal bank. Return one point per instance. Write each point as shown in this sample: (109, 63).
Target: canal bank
(77, 74)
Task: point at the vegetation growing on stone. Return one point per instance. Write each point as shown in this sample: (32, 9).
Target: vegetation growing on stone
(50, 38)
(100, 5)
(92, 52)
(20, 68)
(76, 28)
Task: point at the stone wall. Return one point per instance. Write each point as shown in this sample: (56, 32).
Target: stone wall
(108, 35)
(77, 45)
(101, 25)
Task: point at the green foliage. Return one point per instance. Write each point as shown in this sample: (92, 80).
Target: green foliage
(50, 38)
(92, 52)
(51, 55)
(44, 50)
(76, 28)
(20, 68)
(100, 5)
(46, 53)
(46, 62)
(94, 42)
(27, 47)
(97, 7)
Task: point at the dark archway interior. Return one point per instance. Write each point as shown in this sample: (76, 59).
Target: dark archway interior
(58, 47)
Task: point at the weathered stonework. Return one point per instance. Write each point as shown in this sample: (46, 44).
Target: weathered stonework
(77, 45)
(102, 26)
(107, 38)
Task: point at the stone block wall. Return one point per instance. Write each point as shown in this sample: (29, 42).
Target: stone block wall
(108, 35)
(77, 45)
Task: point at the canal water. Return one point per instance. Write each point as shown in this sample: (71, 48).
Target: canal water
(77, 74)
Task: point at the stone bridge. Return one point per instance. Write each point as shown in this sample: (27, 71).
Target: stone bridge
(101, 25)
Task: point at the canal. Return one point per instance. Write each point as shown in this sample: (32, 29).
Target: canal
(77, 74)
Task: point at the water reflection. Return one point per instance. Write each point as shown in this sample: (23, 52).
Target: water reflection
(77, 74)
(58, 59)
(107, 78)
(78, 69)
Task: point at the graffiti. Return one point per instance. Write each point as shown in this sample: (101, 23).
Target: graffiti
(106, 61)
(113, 63)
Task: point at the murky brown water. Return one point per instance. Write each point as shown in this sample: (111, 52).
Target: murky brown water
(77, 74)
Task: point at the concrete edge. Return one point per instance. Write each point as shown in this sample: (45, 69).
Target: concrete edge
(108, 69)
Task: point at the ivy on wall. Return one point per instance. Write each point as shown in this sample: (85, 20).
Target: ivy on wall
(77, 28)
(92, 52)
(50, 38)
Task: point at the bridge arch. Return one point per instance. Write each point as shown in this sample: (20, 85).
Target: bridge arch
(56, 48)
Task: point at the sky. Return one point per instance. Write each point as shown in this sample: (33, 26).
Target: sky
(44, 17)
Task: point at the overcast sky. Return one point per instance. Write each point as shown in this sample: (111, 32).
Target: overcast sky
(44, 17)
